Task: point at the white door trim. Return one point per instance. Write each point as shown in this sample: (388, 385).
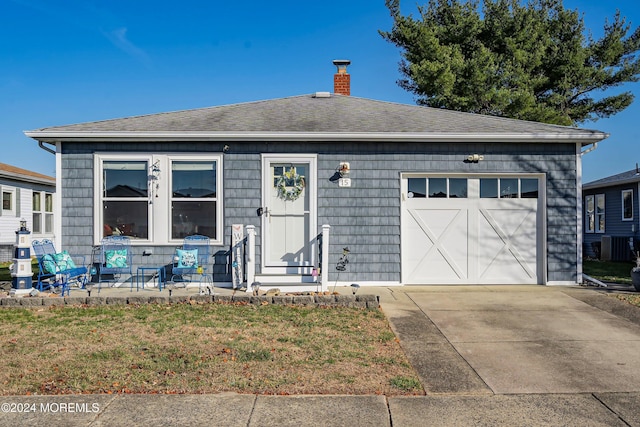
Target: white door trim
(311, 185)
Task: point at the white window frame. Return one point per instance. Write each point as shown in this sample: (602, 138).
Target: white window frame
(48, 213)
(37, 227)
(622, 194)
(159, 194)
(44, 213)
(589, 215)
(594, 215)
(598, 215)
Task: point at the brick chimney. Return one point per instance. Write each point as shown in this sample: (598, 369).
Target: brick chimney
(342, 79)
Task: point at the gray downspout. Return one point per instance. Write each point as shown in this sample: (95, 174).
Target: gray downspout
(41, 145)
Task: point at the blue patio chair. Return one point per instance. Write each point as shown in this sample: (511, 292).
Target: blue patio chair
(190, 261)
(58, 270)
(116, 259)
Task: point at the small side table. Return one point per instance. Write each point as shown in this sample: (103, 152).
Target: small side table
(157, 272)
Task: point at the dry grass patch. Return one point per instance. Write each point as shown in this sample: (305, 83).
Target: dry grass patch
(205, 348)
(633, 299)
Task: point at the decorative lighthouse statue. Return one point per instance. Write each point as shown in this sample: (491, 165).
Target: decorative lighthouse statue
(21, 274)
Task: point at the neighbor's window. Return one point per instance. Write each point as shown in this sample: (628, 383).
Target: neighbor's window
(42, 211)
(590, 214)
(594, 213)
(7, 200)
(159, 198)
(599, 213)
(36, 207)
(48, 213)
(627, 205)
(193, 198)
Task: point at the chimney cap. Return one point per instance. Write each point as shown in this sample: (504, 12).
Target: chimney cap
(341, 64)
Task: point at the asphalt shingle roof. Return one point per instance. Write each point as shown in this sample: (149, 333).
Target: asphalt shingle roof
(622, 178)
(14, 172)
(321, 114)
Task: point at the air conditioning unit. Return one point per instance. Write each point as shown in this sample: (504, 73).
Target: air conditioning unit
(605, 249)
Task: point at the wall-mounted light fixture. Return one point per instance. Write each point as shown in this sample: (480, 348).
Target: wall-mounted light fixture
(344, 168)
(475, 158)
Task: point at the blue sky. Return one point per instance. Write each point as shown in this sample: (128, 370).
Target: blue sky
(73, 61)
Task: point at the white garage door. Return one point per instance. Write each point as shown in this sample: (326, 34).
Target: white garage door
(472, 230)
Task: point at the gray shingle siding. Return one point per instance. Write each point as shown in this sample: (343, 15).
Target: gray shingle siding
(364, 217)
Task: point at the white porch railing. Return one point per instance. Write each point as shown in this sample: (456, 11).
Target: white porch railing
(251, 256)
(323, 257)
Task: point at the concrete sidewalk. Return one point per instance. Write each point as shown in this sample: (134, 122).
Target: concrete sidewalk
(486, 355)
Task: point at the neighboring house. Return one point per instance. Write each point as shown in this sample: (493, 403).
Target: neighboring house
(431, 196)
(611, 216)
(25, 195)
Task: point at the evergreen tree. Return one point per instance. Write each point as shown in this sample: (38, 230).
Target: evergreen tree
(530, 61)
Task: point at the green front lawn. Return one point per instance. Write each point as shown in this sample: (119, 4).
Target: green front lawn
(5, 274)
(608, 271)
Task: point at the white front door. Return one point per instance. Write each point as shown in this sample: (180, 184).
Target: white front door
(289, 218)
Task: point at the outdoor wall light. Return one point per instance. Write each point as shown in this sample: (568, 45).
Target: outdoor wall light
(475, 158)
(344, 168)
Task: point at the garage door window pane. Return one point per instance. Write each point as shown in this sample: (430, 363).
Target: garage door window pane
(489, 188)
(529, 188)
(437, 187)
(458, 188)
(417, 187)
(509, 188)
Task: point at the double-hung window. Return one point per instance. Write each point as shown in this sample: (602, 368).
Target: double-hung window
(594, 213)
(48, 213)
(42, 209)
(36, 207)
(159, 198)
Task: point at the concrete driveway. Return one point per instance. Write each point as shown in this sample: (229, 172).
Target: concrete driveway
(519, 348)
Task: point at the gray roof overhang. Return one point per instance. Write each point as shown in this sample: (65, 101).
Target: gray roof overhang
(585, 137)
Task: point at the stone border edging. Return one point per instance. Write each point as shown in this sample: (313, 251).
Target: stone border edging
(351, 301)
